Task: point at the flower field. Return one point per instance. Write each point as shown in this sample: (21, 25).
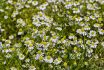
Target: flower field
(51, 34)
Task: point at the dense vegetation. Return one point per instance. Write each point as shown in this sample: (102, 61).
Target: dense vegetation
(51, 34)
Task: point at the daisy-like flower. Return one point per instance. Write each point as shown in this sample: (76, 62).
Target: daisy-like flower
(88, 42)
(71, 36)
(36, 22)
(97, 25)
(20, 32)
(76, 10)
(68, 5)
(8, 42)
(5, 17)
(92, 33)
(27, 6)
(90, 7)
(92, 17)
(81, 31)
(27, 60)
(101, 31)
(14, 14)
(79, 19)
(11, 37)
(86, 18)
(21, 56)
(48, 59)
(87, 27)
(32, 68)
(8, 55)
(57, 61)
(38, 55)
(10, 1)
(54, 39)
(21, 21)
(58, 28)
(93, 45)
(102, 43)
(34, 3)
(51, 1)
(13, 68)
(42, 7)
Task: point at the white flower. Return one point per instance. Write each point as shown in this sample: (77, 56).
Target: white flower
(101, 31)
(92, 33)
(38, 56)
(11, 37)
(29, 1)
(81, 31)
(36, 22)
(1, 10)
(58, 28)
(102, 43)
(21, 21)
(57, 61)
(42, 7)
(96, 25)
(34, 3)
(5, 17)
(79, 19)
(48, 59)
(51, 1)
(54, 40)
(68, 5)
(20, 33)
(8, 50)
(27, 60)
(10, 1)
(81, 24)
(93, 45)
(32, 68)
(76, 10)
(92, 17)
(13, 68)
(27, 6)
(89, 50)
(14, 14)
(90, 7)
(86, 27)
(71, 36)
(21, 56)
(8, 56)
(86, 18)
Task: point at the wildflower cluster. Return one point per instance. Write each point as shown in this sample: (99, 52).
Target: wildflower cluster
(51, 34)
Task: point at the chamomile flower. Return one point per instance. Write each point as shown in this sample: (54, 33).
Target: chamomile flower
(92, 33)
(57, 61)
(21, 56)
(101, 31)
(11, 37)
(96, 25)
(32, 68)
(87, 27)
(71, 36)
(13, 68)
(34, 3)
(48, 59)
(102, 43)
(93, 45)
(10, 1)
(5, 17)
(51, 1)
